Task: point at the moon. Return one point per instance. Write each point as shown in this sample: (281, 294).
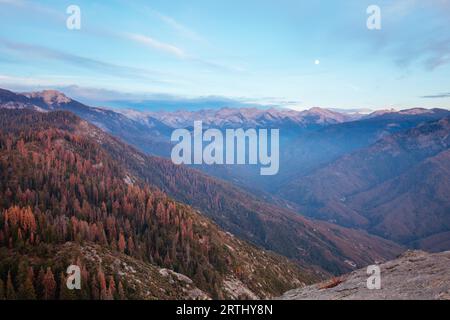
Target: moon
(317, 62)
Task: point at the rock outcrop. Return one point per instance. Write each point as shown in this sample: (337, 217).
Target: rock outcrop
(416, 275)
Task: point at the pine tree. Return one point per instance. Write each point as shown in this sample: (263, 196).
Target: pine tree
(102, 285)
(49, 285)
(2, 290)
(111, 288)
(130, 246)
(40, 283)
(121, 244)
(10, 291)
(26, 289)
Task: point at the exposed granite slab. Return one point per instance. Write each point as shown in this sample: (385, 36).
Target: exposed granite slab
(415, 275)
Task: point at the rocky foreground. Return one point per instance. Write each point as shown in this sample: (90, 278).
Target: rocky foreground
(415, 275)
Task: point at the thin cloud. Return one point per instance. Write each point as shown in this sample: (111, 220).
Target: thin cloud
(17, 3)
(179, 28)
(217, 66)
(33, 7)
(437, 96)
(15, 83)
(156, 44)
(182, 30)
(178, 52)
(36, 51)
(432, 54)
(147, 41)
(440, 54)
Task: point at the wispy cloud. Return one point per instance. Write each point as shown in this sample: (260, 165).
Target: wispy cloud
(429, 46)
(440, 54)
(32, 51)
(431, 53)
(144, 101)
(156, 44)
(437, 96)
(17, 83)
(147, 41)
(181, 29)
(412, 34)
(18, 3)
(174, 50)
(26, 6)
(177, 52)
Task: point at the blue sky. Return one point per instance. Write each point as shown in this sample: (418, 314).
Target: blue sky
(251, 51)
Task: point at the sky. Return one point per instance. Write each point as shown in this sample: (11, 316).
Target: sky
(296, 54)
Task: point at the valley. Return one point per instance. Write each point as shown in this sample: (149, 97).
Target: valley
(327, 210)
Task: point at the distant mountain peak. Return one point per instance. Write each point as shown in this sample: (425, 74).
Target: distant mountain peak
(406, 112)
(414, 111)
(319, 110)
(50, 97)
(325, 115)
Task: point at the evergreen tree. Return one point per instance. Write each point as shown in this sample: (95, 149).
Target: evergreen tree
(26, 289)
(2, 290)
(24, 279)
(40, 283)
(121, 243)
(49, 285)
(10, 291)
(111, 288)
(102, 285)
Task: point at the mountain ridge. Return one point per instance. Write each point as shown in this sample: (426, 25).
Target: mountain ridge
(402, 175)
(273, 228)
(59, 185)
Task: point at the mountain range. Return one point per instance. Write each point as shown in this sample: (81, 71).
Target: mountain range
(353, 189)
(397, 188)
(328, 247)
